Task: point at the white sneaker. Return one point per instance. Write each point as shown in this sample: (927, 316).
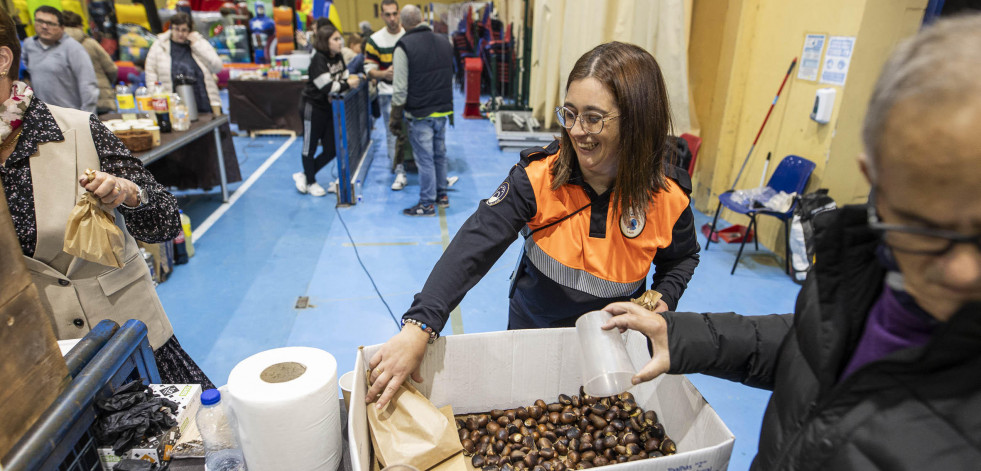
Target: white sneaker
(451, 180)
(317, 190)
(400, 182)
(301, 182)
(332, 187)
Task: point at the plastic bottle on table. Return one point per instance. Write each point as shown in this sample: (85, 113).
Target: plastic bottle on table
(182, 120)
(144, 103)
(160, 107)
(124, 101)
(186, 226)
(221, 451)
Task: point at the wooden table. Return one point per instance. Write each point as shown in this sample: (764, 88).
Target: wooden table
(172, 141)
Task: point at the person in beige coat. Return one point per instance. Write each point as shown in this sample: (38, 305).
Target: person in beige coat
(194, 57)
(105, 69)
(45, 151)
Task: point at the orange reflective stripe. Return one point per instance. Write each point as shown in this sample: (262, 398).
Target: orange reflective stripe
(616, 257)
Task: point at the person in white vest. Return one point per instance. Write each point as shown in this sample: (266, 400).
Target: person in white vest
(44, 153)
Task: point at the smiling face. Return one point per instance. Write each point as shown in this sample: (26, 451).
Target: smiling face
(597, 154)
(927, 175)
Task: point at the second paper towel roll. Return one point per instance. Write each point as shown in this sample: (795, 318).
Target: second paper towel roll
(284, 402)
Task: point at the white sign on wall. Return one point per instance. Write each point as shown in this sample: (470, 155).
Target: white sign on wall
(837, 59)
(810, 57)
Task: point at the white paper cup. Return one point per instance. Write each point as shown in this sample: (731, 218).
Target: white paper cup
(216, 108)
(606, 367)
(346, 383)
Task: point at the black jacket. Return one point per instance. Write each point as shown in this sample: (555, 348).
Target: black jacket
(545, 299)
(915, 409)
(328, 74)
(430, 58)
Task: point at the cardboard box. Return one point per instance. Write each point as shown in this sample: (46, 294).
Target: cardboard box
(501, 370)
(153, 449)
(187, 397)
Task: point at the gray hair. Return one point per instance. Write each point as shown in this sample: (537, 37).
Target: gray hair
(940, 66)
(410, 16)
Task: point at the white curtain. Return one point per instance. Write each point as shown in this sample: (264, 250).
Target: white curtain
(566, 29)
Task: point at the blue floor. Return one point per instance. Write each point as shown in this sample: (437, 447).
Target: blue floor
(236, 296)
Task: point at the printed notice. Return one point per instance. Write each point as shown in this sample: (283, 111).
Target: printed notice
(810, 57)
(837, 59)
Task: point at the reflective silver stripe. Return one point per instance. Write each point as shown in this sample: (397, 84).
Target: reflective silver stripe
(307, 116)
(575, 278)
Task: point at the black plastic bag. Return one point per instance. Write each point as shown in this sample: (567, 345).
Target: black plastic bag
(132, 414)
(134, 465)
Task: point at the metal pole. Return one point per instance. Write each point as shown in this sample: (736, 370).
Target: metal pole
(767, 118)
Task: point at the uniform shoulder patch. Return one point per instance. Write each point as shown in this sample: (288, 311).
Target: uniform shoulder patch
(499, 194)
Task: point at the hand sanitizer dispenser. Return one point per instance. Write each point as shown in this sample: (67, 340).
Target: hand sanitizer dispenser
(824, 102)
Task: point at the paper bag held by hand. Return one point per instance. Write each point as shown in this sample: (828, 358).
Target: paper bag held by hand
(410, 430)
(92, 233)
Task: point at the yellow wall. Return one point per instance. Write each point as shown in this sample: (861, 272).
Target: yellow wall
(353, 12)
(749, 44)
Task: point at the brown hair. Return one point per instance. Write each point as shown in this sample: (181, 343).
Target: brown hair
(8, 39)
(321, 41)
(352, 39)
(182, 18)
(633, 77)
(70, 19)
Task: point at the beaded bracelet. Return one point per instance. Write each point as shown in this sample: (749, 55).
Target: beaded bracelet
(433, 335)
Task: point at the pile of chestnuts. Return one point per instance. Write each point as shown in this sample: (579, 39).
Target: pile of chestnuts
(576, 432)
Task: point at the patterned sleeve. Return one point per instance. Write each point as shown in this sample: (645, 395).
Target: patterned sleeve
(156, 221)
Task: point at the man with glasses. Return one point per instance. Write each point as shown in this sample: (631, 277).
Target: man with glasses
(879, 366)
(60, 69)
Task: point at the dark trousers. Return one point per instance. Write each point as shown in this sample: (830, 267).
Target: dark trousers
(318, 129)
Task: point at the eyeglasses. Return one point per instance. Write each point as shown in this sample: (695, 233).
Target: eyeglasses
(591, 121)
(46, 23)
(920, 240)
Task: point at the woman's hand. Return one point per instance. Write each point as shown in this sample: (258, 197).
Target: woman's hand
(353, 81)
(627, 315)
(111, 190)
(392, 365)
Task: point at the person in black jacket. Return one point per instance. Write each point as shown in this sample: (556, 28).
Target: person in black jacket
(596, 209)
(328, 75)
(878, 368)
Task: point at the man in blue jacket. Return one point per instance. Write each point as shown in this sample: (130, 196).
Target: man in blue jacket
(878, 367)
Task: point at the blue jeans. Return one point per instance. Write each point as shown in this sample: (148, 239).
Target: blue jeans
(385, 103)
(428, 139)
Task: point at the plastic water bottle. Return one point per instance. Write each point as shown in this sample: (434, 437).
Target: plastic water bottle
(125, 102)
(221, 451)
(182, 121)
(144, 103)
(186, 226)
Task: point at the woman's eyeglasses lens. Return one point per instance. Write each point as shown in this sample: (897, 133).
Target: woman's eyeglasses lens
(591, 121)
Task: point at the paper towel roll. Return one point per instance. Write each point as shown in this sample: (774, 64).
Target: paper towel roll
(285, 405)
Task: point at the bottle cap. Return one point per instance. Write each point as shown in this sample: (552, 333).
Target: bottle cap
(211, 396)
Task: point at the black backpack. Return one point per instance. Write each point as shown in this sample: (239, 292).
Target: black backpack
(802, 231)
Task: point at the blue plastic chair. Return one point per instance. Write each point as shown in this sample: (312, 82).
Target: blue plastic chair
(790, 177)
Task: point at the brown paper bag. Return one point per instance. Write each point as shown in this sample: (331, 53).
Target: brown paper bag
(411, 431)
(648, 300)
(92, 233)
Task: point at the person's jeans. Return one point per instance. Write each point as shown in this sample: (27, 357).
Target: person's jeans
(428, 139)
(385, 103)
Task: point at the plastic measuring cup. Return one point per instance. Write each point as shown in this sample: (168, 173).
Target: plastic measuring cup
(606, 367)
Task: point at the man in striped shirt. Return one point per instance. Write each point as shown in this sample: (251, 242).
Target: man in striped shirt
(378, 65)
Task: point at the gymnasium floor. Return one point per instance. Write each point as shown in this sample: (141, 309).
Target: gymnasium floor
(256, 256)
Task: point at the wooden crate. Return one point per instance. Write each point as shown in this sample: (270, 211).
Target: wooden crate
(32, 370)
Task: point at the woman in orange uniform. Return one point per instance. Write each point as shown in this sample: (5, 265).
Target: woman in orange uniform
(596, 208)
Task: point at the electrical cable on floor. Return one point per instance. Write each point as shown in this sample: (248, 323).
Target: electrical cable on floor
(398, 325)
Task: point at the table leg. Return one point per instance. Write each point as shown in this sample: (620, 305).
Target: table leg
(221, 166)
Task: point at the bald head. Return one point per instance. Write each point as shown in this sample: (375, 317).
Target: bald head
(928, 92)
(410, 16)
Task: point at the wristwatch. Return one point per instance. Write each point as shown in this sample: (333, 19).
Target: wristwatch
(143, 197)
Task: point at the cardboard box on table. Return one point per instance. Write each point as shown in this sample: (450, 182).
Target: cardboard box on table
(480, 372)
